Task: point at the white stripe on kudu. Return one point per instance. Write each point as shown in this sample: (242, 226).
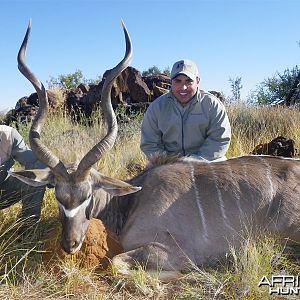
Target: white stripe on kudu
(237, 197)
(272, 188)
(220, 198)
(70, 213)
(198, 201)
(268, 176)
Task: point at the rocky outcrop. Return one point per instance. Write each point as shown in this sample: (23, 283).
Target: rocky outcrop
(130, 90)
(27, 107)
(160, 80)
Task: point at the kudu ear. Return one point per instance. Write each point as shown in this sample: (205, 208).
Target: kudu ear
(37, 177)
(114, 187)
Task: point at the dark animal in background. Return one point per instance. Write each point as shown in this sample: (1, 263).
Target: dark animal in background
(279, 146)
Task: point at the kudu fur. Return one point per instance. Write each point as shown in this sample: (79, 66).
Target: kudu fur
(187, 213)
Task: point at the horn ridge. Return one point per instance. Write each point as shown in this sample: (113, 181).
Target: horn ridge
(40, 150)
(112, 127)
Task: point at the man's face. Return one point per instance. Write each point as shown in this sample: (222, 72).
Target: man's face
(184, 88)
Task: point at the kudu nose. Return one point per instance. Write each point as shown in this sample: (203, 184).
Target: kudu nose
(70, 246)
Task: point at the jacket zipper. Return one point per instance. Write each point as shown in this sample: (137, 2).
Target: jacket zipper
(182, 132)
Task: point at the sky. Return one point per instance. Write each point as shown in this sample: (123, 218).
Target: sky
(251, 39)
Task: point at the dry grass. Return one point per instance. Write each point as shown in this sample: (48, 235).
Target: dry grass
(23, 275)
(253, 125)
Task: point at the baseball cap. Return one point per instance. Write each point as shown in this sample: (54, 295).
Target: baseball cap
(186, 67)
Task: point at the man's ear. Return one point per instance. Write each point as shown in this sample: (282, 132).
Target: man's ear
(37, 177)
(115, 187)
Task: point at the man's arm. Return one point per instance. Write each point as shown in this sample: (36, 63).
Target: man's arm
(23, 154)
(218, 135)
(151, 136)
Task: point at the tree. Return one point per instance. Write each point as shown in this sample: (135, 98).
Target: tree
(279, 89)
(72, 80)
(154, 70)
(67, 81)
(236, 87)
(167, 71)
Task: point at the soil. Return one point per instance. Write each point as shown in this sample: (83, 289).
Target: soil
(99, 246)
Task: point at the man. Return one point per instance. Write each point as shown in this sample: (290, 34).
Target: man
(12, 190)
(186, 121)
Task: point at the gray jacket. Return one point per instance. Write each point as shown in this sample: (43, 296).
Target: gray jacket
(200, 128)
(13, 148)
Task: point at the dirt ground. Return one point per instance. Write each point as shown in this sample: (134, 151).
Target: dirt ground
(99, 246)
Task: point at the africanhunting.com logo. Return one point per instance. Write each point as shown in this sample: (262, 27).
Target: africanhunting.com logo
(281, 284)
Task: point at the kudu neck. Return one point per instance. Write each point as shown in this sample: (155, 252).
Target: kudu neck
(115, 212)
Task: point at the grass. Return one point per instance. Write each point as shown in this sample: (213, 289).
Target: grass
(24, 275)
(253, 125)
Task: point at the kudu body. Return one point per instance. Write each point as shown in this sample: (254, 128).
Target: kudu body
(187, 213)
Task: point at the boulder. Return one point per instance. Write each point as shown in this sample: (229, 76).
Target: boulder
(27, 107)
(128, 87)
(160, 80)
(138, 90)
(158, 91)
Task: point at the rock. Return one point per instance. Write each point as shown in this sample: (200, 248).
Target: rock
(138, 90)
(158, 91)
(160, 80)
(84, 87)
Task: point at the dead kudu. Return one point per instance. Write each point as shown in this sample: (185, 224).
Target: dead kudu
(187, 212)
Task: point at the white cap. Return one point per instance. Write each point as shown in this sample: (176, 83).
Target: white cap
(186, 67)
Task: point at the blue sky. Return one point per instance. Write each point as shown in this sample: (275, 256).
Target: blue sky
(226, 38)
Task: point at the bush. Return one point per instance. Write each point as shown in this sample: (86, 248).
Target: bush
(279, 89)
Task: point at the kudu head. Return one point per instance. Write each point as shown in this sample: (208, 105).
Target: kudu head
(75, 186)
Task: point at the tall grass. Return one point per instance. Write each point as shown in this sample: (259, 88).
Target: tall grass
(253, 125)
(23, 274)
